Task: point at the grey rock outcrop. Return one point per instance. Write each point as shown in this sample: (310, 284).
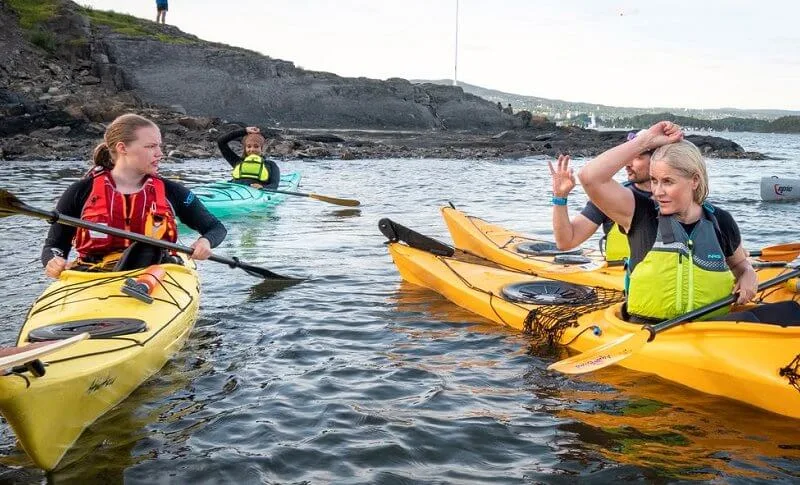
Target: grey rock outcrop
(238, 84)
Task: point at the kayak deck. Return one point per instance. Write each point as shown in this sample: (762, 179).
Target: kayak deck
(228, 199)
(481, 238)
(87, 379)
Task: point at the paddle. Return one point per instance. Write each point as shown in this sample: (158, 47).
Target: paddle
(778, 252)
(621, 348)
(323, 198)
(10, 205)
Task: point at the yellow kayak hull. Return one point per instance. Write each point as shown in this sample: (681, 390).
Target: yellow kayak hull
(86, 380)
(489, 241)
(737, 360)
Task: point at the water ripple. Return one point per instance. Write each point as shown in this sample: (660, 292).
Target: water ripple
(354, 377)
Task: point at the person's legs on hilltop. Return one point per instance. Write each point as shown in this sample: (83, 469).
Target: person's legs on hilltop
(162, 7)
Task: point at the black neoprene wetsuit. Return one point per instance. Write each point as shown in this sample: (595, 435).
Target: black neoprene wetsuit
(186, 206)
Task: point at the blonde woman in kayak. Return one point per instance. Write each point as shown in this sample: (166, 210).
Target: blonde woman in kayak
(685, 252)
(124, 191)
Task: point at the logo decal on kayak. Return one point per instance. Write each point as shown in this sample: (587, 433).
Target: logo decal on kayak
(782, 189)
(99, 383)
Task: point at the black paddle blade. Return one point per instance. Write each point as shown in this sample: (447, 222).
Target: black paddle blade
(265, 273)
(266, 289)
(396, 232)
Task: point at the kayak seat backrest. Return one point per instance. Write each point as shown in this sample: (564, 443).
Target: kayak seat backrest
(96, 327)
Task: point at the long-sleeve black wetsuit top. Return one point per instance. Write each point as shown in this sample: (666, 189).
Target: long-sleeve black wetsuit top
(234, 159)
(187, 207)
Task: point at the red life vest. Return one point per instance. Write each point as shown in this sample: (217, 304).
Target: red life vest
(145, 212)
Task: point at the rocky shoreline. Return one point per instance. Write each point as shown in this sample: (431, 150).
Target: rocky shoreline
(56, 100)
(195, 137)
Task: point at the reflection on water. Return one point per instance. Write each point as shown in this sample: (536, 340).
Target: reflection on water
(678, 432)
(346, 213)
(354, 377)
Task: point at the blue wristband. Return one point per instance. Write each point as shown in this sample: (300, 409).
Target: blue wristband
(559, 201)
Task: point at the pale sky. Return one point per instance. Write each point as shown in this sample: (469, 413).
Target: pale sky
(679, 53)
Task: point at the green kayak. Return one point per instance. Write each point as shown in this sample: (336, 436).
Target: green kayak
(226, 199)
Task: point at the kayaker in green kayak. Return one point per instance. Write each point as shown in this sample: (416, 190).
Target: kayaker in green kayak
(685, 252)
(124, 191)
(571, 233)
(251, 168)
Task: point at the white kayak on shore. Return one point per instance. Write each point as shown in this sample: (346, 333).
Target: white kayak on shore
(778, 189)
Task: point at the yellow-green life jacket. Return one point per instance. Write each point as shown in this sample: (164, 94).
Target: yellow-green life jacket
(616, 246)
(251, 168)
(682, 272)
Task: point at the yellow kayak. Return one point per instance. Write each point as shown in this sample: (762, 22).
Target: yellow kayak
(540, 258)
(519, 252)
(755, 363)
(131, 340)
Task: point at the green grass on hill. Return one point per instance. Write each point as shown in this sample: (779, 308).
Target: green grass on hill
(132, 26)
(33, 12)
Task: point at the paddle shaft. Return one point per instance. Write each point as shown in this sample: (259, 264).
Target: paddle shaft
(57, 217)
(656, 329)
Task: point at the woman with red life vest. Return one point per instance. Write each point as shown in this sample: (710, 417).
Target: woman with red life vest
(124, 191)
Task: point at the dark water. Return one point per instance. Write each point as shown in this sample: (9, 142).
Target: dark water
(355, 377)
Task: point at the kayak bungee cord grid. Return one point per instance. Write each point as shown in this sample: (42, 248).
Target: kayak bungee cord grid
(548, 322)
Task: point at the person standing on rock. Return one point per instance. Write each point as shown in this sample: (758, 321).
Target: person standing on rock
(251, 168)
(161, 11)
(572, 233)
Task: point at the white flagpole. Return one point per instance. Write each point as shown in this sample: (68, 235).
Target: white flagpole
(455, 64)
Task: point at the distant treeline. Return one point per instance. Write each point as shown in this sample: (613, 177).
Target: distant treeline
(786, 124)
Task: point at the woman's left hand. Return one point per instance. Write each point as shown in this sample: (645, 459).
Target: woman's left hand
(746, 287)
(201, 249)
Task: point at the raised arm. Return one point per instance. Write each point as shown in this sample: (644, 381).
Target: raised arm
(223, 143)
(597, 176)
(567, 233)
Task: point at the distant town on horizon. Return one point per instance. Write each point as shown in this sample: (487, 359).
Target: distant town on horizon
(582, 113)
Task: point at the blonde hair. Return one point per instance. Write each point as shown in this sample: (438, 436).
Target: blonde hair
(686, 158)
(122, 129)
